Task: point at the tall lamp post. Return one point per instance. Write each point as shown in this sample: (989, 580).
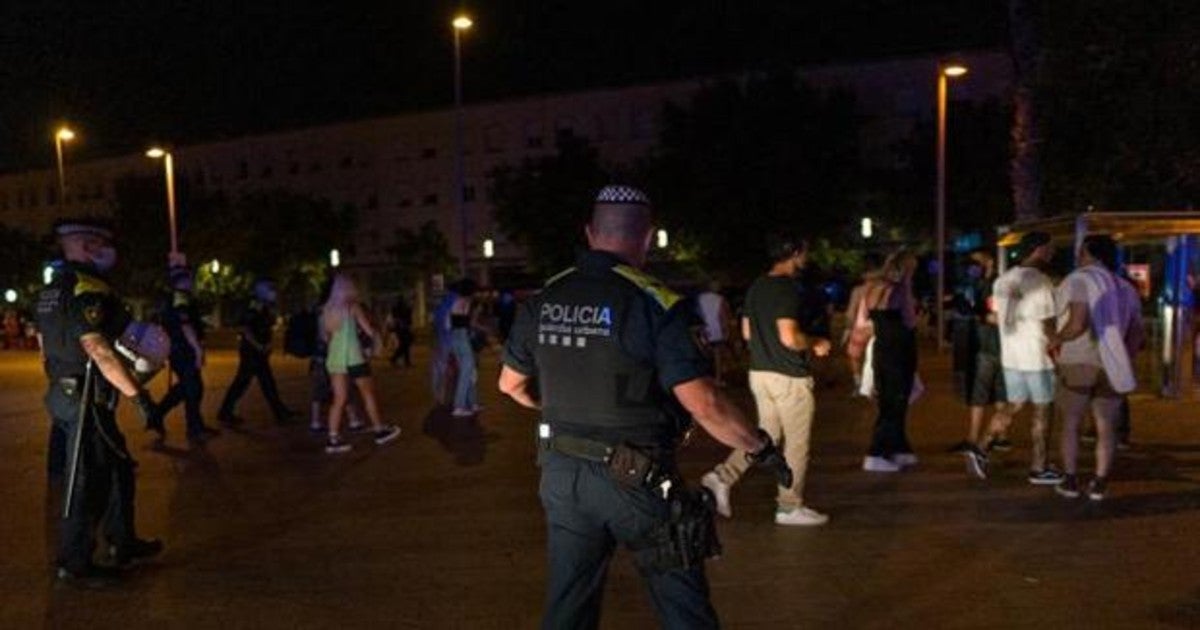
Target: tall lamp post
(461, 24)
(946, 71)
(169, 166)
(63, 135)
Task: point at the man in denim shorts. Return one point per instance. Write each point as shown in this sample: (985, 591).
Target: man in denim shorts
(1025, 312)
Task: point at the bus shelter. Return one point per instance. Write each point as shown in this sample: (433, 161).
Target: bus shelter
(1159, 251)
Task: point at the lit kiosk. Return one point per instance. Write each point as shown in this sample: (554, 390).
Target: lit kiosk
(1161, 248)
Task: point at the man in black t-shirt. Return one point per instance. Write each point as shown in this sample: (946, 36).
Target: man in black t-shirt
(780, 379)
(982, 380)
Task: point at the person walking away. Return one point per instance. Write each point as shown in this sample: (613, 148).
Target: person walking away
(463, 324)
(184, 325)
(80, 318)
(1025, 312)
(891, 308)
(254, 356)
(713, 309)
(611, 350)
(341, 319)
(982, 383)
(781, 380)
(402, 317)
(1101, 329)
(440, 366)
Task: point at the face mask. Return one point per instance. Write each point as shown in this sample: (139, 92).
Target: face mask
(104, 258)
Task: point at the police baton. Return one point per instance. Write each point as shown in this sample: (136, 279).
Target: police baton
(77, 439)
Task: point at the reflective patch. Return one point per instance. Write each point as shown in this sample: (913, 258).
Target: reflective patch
(90, 284)
(650, 285)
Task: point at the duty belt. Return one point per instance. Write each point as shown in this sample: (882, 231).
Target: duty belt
(627, 463)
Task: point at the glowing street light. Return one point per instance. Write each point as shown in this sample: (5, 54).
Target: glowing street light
(63, 135)
(489, 248)
(461, 24)
(335, 258)
(661, 239)
(946, 71)
(215, 267)
(159, 153)
(10, 296)
(867, 229)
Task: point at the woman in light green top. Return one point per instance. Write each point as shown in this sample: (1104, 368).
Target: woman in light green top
(341, 319)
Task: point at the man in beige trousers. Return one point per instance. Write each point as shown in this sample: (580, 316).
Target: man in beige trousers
(780, 379)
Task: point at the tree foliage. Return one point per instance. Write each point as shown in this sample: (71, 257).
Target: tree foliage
(745, 158)
(421, 253)
(544, 203)
(1120, 92)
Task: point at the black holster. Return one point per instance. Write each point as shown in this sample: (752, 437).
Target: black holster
(688, 537)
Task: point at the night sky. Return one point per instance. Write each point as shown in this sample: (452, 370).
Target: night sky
(126, 72)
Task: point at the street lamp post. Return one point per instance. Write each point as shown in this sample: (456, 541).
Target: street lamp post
(460, 24)
(945, 72)
(64, 134)
(169, 167)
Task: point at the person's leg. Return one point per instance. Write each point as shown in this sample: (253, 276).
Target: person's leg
(1107, 411)
(119, 526)
(193, 396)
(736, 464)
(465, 359)
(366, 392)
(1124, 426)
(241, 381)
(340, 385)
(578, 546)
(796, 407)
(892, 401)
(266, 382)
(1073, 405)
(174, 396)
(1039, 434)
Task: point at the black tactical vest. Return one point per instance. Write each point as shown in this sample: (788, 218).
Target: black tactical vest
(594, 352)
(60, 340)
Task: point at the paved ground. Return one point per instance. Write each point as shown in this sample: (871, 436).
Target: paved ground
(443, 530)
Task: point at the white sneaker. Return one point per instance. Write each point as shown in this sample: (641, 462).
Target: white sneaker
(905, 459)
(880, 464)
(801, 516)
(462, 413)
(720, 491)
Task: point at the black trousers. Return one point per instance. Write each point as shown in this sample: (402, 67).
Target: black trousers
(894, 361)
(404, 341)
(253, 364)
(104, 487)
(187, 389)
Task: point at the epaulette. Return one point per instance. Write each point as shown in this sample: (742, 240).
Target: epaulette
(650, 285)
(85, 283)
(559, 276)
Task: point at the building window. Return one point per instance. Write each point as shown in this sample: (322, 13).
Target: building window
(293, 168)
(372, 201)
(404, 202)
(315, 167)
(468, 193)
(267, 172)
(533, 135)
(430, 200)
(493, 139)
(428, 153)
(243, 170)
(347, 162)
(642, 126)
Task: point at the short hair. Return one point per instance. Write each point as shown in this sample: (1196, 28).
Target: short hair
(626, 221)
(1103, 248)
(781, 246)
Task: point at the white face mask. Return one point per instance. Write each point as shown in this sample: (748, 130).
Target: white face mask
(104, 258)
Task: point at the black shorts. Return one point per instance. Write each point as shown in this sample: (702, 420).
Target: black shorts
(362, 370)
(983, 384)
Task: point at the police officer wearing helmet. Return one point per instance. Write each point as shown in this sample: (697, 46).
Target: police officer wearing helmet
(616, 369)
(81, 318)
(254, 356)
(182, 321)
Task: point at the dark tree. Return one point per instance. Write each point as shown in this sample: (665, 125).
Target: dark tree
(544, 203)
(1025, 170)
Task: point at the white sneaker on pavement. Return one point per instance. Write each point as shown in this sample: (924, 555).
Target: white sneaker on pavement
(880, 464)
(801, 516)
(905, 459)
(720, 491)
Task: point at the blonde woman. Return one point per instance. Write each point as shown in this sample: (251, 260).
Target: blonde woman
(892, 310)
(341, 319)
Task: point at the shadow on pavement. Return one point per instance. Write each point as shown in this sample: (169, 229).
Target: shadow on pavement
(461, 437)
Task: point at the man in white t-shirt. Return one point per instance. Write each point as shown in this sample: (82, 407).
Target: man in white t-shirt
(1101, 328)
(1025, 311)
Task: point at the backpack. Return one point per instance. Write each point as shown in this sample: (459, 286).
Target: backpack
(300, 335)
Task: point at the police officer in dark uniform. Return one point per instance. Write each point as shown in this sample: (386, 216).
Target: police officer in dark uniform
(80, 319)
(616, 368)
(254, 354)
(182, 321)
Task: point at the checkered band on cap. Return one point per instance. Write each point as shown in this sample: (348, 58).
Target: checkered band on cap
(618, 193)
(68, 228)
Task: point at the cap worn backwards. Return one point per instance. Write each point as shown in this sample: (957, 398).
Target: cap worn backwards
(622, 194)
